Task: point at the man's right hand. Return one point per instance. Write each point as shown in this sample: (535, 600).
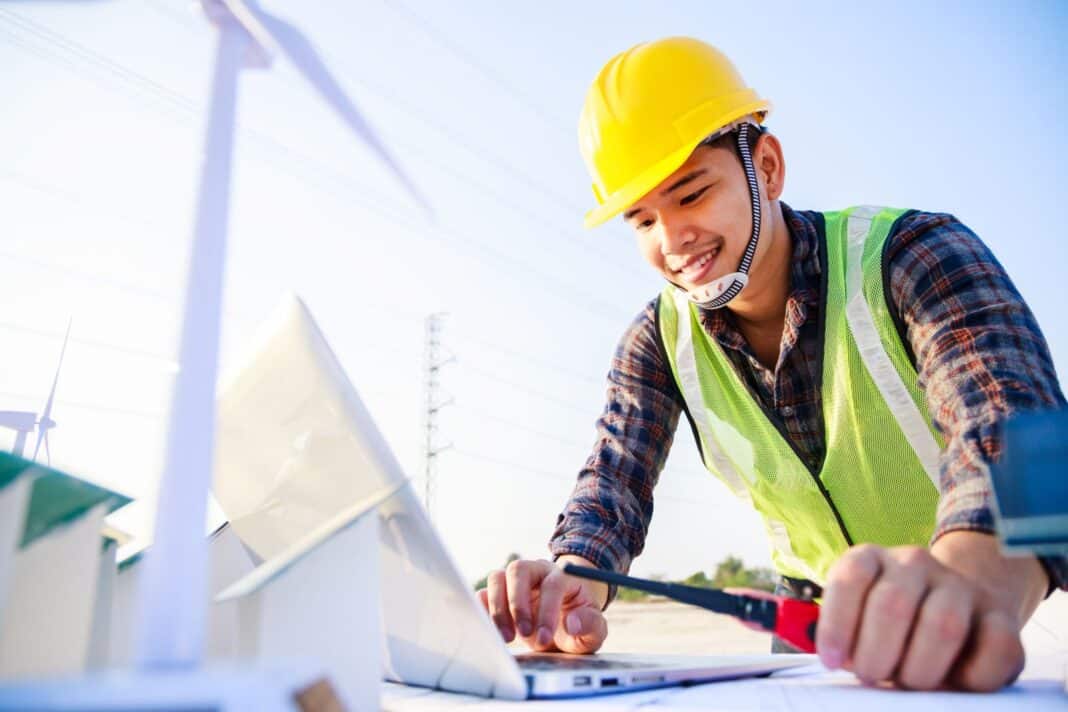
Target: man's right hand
(548, 609)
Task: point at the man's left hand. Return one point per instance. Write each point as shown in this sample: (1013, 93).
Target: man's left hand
(902, 615)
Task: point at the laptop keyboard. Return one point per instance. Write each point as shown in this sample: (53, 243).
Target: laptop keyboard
(577, 662)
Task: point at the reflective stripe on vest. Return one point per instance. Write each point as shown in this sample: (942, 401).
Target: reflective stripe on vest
(690, 385)
(876, 360)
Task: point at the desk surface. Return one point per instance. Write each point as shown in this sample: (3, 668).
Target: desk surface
(801, 689)
(1039, 689)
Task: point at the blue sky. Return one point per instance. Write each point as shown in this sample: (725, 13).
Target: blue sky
(939, 106)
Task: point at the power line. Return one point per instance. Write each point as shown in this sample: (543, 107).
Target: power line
(55, 191)
(587, 302)
(423, 116)
(188, 109)
(143, 291)
(543, 363)
(48, 188)
(485, 415)
(570, 405)
(513, 465)
(177, 99)
(168, 9)
(51, 189)
(98, 280)
(180, 105)
(366, 306)
(518, 356)
(557, 476)
(88, 342)
(371, 308)
(531, 217)
(502, 84)
(129, 287)
(149, 415)
(559, 439)
(480, 152)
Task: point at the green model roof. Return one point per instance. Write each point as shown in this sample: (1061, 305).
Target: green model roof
(56, 497)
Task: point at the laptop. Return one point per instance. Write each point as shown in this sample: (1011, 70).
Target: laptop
(296, 444)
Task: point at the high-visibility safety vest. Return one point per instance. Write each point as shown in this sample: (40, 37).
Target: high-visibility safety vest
(879, 478)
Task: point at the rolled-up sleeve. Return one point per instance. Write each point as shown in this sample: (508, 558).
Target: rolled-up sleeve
(980, 355)
(607, 516)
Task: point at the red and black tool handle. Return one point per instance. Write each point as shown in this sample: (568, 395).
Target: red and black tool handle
(795, 622)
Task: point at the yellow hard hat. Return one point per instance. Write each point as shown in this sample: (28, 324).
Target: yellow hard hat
(647, 111)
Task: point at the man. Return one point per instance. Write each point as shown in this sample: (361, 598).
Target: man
(845, 373)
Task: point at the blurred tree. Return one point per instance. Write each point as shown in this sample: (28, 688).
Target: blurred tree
(697, 579)
(481, 583)
(629, 594)
(730, 573)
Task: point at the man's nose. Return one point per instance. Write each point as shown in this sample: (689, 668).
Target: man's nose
(675, 234)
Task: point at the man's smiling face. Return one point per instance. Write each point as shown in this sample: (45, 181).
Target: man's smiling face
(694, 226)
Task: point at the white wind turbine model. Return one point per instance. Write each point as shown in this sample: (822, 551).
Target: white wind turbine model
(25, 422)
(173, 604)
(173, 596)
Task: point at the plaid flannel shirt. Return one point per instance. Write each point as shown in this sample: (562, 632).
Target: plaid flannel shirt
(978, 350)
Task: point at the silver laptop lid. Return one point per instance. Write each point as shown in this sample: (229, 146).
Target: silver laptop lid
(297, 445)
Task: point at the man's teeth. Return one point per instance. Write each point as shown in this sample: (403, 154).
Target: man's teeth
(701, 261)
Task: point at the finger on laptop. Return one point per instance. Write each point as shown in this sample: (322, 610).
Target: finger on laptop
(521, 577)
(495, 599)
(550, 600)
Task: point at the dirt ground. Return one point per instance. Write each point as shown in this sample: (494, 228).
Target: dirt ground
(662, 626)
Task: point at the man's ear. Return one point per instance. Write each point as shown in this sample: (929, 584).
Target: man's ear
(770, 164)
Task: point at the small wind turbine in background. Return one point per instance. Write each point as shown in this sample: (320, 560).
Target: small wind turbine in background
(25, 422)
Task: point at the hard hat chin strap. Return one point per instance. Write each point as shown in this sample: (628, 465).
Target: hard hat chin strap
(719, 292)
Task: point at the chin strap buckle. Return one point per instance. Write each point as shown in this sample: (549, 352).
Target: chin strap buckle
(718, 293)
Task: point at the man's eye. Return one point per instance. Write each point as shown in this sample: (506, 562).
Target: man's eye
(645, 224)
(693, 196)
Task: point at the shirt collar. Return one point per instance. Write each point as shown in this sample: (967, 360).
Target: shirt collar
(805, 275)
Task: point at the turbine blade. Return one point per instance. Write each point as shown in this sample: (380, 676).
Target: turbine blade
(263, 47)
(306, 59)
(48, 450)
(47, 412)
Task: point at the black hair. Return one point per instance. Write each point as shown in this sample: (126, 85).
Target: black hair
(729, 140)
